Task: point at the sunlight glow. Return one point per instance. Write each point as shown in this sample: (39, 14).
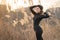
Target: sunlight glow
(48, 4)
(15, 4)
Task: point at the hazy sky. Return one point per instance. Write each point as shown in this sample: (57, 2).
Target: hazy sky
(18, 3)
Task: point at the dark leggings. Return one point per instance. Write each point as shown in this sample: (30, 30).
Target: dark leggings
(39, 32)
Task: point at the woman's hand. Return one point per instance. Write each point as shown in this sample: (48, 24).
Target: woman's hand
(49, 13)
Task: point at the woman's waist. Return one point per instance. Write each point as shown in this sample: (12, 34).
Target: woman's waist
(36, 24)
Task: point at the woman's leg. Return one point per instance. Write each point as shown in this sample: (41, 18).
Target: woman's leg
(39, 32)
(39, 36)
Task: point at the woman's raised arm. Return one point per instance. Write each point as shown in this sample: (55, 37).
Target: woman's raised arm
(31, 8)
(46, 15)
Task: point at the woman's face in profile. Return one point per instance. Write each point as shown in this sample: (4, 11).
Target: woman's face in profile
(37, 9)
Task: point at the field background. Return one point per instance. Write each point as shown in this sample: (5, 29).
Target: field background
(18, 24)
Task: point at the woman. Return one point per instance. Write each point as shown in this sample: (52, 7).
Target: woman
(38, 13)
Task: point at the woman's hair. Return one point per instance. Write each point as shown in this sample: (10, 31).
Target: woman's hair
(40, 6)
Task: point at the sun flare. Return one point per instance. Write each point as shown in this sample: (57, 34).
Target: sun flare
(15, 4)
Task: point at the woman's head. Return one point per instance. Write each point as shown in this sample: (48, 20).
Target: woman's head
(38, 8)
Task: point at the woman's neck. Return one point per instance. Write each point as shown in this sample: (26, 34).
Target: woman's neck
(41, 13)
